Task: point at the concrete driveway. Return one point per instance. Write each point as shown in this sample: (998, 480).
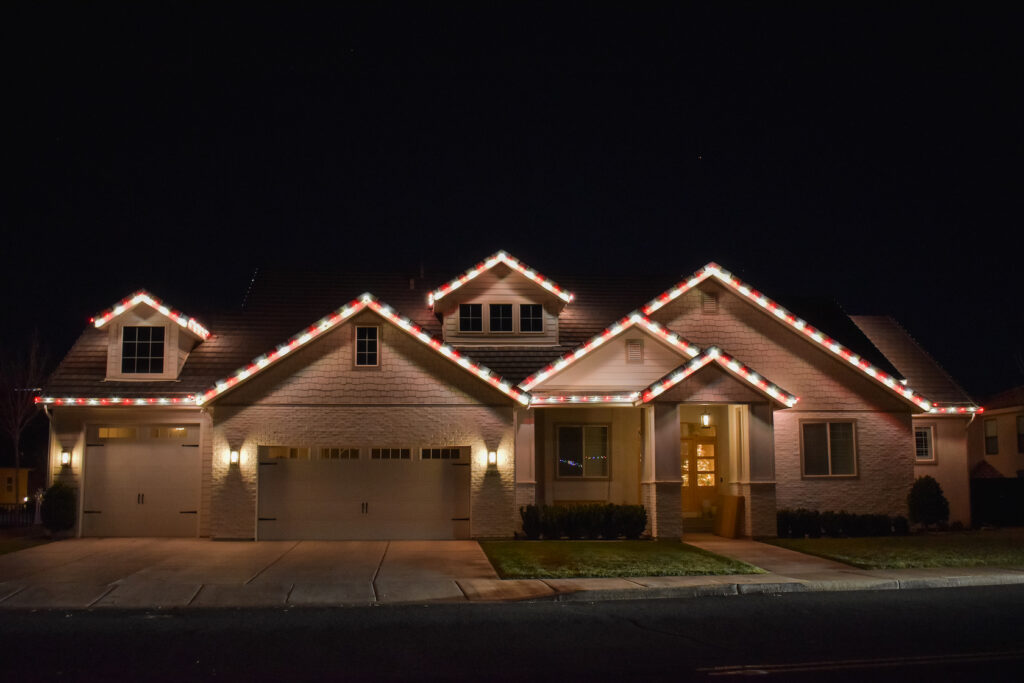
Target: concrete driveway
(152, 572)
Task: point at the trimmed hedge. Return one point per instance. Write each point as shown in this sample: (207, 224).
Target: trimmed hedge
(595, 520)
(58, 507)
(802, 523)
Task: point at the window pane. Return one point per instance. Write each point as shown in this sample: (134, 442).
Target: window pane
(531, 318)
(570, 451)
(366, 346)
(923, 439)
(816, 448)
(595, 444)
(471, 317)
(501, 317)
(841, 439)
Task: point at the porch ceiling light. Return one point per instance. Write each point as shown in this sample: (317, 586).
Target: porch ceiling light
(705, 419)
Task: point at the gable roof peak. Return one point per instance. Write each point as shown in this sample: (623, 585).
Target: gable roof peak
(500, 256)
(143, 297)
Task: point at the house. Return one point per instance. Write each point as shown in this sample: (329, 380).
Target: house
(997, 441)
(14, 485)
(346, 406)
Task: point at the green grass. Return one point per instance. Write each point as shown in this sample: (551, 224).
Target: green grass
(585, 559)
(991, 548)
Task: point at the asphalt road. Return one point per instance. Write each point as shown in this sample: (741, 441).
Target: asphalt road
(937, 634)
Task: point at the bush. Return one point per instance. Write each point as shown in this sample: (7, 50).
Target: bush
(811, 523)
(58, 507)
(531, 521)
(926, 502)
(900, 525)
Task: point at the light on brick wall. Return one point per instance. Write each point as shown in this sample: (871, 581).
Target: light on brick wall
(65, 458)
(233, 457)
(492, 458)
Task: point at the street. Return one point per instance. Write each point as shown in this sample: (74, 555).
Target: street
(947, 634)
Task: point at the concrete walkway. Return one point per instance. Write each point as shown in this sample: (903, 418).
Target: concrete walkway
(166, 573)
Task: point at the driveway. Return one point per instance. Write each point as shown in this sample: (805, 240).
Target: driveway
(149, 572)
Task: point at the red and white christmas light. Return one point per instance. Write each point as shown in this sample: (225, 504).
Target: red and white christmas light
(115, 401)
(144, 297)
(713, 354)
(634, 319)
(490, 262)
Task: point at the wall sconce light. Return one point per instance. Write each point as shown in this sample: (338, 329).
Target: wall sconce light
(705, 419)
(65, 458)
(234, 458)
(492, 458)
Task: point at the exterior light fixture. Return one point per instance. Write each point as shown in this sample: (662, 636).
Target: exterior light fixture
(492, 458)
(65, 458)
(234, 457)
(705, 419)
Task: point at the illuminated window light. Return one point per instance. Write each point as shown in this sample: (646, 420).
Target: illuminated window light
(144, 297)
(488, 263)
(714, 270)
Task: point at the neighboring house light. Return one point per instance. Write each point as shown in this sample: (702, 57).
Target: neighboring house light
(234, 457)
(65, 458)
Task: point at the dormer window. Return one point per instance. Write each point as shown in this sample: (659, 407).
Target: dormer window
(501, 317)
(531, 318)
(142, 350)
(471, 318)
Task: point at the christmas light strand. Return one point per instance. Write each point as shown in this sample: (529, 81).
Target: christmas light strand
(798, 324)
(490, 262)
(713, 354)
(344, 313)
(114, 401)
(956, 409)
(632, 320)
(588, 399)
(144, 297)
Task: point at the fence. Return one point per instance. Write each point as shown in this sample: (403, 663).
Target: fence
(17, 514)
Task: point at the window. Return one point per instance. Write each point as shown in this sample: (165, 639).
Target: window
(829, 449)
(531, 318)
(366, 347)
(287, 452)
(991, 437)
(501, 317)
(924, 438)
(339, 453)
(471, 318)
(440, 454)
(390, 453)
(1020, 433)
(117, 432)
(142, 350)
(583, 451)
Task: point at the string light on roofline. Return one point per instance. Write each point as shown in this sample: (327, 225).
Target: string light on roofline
(115, 401)
(609, 333)
(488, 263)
(956, 409)
(809, 331)
(144, 297)
(575, 399)
(715, 355)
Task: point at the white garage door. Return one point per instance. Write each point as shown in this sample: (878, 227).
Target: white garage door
(375, 494)
(141, 481)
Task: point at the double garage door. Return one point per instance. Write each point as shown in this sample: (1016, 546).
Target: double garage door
(397, 494)
(141, 481)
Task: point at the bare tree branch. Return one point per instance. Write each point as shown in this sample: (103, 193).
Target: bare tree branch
(22, 373)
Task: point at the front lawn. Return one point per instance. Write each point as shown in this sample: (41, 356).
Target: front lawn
(991, 548)
(586, 559)
(13, 544)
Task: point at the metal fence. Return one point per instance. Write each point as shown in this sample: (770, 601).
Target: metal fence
(17, 514)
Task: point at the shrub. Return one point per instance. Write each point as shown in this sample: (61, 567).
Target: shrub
(58, 507)
(926, 502)
(900, 525)
(632, 520)
(530, 515)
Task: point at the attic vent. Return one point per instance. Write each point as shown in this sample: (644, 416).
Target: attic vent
(634, 351)
(709, 302)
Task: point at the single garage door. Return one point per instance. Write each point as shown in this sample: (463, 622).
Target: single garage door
(141, 481)
(379, 493)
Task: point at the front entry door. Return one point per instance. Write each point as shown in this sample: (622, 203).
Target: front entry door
(699, 471)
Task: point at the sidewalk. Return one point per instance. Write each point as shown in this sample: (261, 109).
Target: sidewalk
(177, 573)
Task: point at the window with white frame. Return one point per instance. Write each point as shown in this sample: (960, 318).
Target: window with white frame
(991, 437)
(924, 442)
(142, 350)
(367, 346)
(531, 318)
(501, 317)
(829, 449)
(339, 453)
(582, 451)
(471, 317)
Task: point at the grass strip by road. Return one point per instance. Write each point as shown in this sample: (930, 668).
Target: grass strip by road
(989, 548)
(600, 559)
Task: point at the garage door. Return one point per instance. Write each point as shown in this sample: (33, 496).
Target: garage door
(141, 481)
(339, 494)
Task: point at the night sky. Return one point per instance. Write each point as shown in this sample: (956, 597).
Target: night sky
(868, 154)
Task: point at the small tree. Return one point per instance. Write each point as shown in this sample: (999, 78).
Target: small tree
(58, 508)
(927, 503)
(22, 372)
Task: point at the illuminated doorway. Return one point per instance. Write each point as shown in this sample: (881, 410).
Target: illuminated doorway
(699, 469)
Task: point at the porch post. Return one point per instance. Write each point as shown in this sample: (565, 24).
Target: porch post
(662, 485)
(526, 479)
(760, 509)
